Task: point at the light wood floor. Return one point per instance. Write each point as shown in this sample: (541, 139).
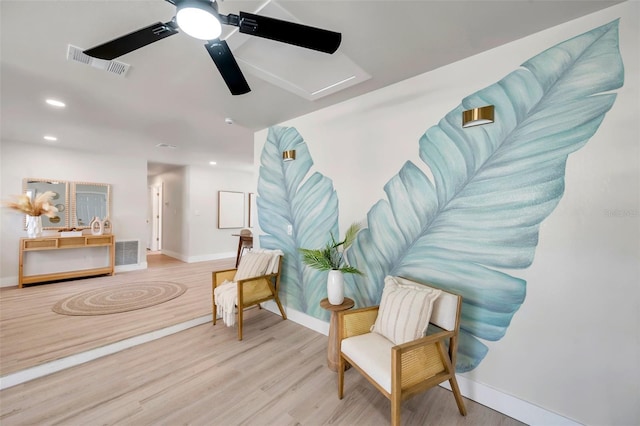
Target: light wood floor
(202, 376)
(32, 334)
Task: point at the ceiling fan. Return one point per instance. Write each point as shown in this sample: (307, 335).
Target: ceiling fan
(200, 19)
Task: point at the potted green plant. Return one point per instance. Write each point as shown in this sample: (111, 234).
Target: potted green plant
(332, 258)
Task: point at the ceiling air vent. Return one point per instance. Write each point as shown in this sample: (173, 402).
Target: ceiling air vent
(114, 67)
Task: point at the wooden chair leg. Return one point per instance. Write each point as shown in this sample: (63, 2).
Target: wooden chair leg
(277, 299)
(214, 309)
(240, 307)
(458, 396)
(340, 377)
(395, 409)
(240, 312)
(239, 249)
(396, 387)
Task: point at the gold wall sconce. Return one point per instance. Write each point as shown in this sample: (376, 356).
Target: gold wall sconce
(477, 116)
(289, 155)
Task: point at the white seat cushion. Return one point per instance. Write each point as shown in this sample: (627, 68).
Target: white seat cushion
(372, 353)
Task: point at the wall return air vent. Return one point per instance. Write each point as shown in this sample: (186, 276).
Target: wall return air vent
(126, 253)
(114, 67)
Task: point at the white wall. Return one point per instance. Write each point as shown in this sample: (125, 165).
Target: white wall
(205, 238)
(127, 177)
(190, 211)
(190, 201)
(573, 347)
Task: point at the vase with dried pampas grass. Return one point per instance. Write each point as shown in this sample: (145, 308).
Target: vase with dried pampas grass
(34, 209)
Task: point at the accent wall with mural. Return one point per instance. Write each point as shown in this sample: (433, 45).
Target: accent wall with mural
(491, 188)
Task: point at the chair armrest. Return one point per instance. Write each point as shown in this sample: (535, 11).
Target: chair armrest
(426, 340)
(256, 289)
(220, 276)
(355, 322)
(421, 359)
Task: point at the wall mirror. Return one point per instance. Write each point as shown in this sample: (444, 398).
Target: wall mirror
(34, 187)
(88, 201)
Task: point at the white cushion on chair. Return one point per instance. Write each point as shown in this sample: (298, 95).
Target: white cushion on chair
(275, 259)
(252, 265)
(405, 310)
(445, 308)
(372, 353)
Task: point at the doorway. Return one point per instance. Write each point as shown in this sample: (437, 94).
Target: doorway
(154, 222)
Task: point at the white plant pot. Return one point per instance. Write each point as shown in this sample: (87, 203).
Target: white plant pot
(34, 226)
(335, 287)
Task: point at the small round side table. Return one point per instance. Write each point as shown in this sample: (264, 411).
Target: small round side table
(332, 347)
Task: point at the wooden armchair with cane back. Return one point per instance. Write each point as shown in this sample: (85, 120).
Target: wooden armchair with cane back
(388, 346)
(255, 281)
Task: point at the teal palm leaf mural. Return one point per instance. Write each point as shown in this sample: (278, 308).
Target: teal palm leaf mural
(480, 212)
(308, 208)
(493, 186)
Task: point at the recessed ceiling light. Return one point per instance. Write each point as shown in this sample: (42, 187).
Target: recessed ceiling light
(213, 163)
(166, 145)
(50, 138)
(56, 103)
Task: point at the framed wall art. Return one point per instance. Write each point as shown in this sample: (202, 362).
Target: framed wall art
(230, 209)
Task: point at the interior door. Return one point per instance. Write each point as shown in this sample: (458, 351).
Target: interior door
(150, 197)
(154, 222)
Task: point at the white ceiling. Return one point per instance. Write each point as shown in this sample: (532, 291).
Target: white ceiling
(174, 95)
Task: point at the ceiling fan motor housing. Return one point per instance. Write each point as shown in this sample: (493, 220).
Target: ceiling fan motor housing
(199, 18)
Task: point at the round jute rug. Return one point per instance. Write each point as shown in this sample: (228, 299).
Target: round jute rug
(121, 298)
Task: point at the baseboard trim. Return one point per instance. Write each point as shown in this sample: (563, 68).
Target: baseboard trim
(299, 318)
(9, 281)
(175, 255)
(509, 405)
(200, 258)
(214, 256)
(127, 268)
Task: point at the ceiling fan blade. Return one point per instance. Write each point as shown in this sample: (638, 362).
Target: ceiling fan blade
(289, 32)
(228, 67)
(133, 41)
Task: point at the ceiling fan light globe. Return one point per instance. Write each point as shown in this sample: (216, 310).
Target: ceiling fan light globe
(198, 22)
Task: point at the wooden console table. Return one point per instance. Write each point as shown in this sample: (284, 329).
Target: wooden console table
(83, 242)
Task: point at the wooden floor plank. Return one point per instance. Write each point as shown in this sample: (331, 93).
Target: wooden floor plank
(277, 375)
